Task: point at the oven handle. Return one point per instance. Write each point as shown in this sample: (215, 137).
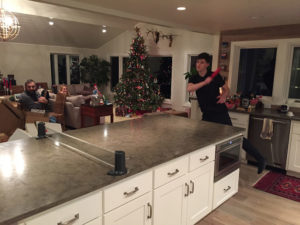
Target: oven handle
(274, 121)
(228, 147)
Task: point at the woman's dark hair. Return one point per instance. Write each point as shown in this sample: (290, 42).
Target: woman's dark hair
(205, 56)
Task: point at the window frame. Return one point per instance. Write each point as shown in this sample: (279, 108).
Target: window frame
(166, 100)
(235, 61)
(68, 74)
(291, 101)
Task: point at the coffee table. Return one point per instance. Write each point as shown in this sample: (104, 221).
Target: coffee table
(96, 112)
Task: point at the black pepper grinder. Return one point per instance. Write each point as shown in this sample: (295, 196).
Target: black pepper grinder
(120, 164)
(41, 130)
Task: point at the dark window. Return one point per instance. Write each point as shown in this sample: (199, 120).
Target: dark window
(125, 61)
(52, 69)
(74, 70)
(62, 69)
(256, 71)
(294, 91)
(114, 61)
(161, 67)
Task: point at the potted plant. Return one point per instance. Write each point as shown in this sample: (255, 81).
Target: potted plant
(94, 70)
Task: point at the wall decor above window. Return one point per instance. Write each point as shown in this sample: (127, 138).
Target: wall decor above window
(157, 35)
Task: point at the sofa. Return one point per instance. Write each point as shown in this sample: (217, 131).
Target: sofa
(78, 95)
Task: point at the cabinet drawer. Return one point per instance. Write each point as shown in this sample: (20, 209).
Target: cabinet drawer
(80, 211)
(202, 157)
(170, 171)
(126, 191)
(136, 212)
(97, 221)
(296, 127)
(225, 188)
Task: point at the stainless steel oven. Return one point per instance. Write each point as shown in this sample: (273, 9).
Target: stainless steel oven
(227, 157)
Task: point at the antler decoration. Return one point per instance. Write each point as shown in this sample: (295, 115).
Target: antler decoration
(156, 36)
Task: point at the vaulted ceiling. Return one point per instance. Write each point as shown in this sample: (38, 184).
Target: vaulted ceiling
(206, 16)
(209, 16)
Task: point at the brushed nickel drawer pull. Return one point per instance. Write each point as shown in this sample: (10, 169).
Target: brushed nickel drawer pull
(150, 211)
(71, 221)
(193, 187)
(173, 173)
(127, 194)
(204, 159)
(227, 189)
(187, 190)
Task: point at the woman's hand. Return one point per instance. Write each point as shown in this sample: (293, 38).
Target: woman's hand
(222, 99)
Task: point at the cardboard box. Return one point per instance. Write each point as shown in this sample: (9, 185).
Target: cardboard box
(32, 117)
(11, 118)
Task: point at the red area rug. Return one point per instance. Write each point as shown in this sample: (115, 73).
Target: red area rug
(280, 184)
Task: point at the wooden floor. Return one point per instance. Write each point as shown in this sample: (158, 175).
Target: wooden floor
(251, 206)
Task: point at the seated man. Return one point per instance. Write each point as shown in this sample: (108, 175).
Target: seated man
(30, 99)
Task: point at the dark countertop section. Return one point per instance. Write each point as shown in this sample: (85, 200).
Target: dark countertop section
(36, 175)
(266, 112)
(270, 113)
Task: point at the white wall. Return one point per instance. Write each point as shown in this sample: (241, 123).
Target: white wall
(27, 61)
(282, 68)
(185, 43)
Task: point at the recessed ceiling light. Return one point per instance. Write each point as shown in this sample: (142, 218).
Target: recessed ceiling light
(51, 23)
(104, 30)
(181, 8)
(103, 26)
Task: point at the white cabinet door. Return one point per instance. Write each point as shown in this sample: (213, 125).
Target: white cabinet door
(294, 154)
(136, 212)
(170, 203)
(225, 188)
(200, 193)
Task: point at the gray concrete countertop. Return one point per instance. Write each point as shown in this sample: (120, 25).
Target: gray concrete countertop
(36, 175)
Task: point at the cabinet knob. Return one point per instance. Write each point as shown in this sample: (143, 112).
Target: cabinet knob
(204, 159)
(227, 189)
(71, 221)
(193, 187)
(128, 194)
(187, 190)
(173, 173)
(150, 211)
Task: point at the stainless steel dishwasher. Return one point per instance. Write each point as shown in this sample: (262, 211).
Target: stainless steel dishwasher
(273, 150)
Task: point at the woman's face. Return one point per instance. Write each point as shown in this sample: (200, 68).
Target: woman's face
(64, 90)
(201, 65)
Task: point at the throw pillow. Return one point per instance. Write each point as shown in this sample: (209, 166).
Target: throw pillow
(77, 100)
(78, 88)
(87, 90)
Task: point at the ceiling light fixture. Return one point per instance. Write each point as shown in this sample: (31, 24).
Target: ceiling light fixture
(181, 8)
(51, 23)
(104, 30)
(9, 25)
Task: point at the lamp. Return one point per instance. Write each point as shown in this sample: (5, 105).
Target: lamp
(9, 25)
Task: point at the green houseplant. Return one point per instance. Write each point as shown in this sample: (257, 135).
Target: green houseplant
(94, 70)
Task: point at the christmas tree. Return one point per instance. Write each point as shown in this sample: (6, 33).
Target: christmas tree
(138, 89)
